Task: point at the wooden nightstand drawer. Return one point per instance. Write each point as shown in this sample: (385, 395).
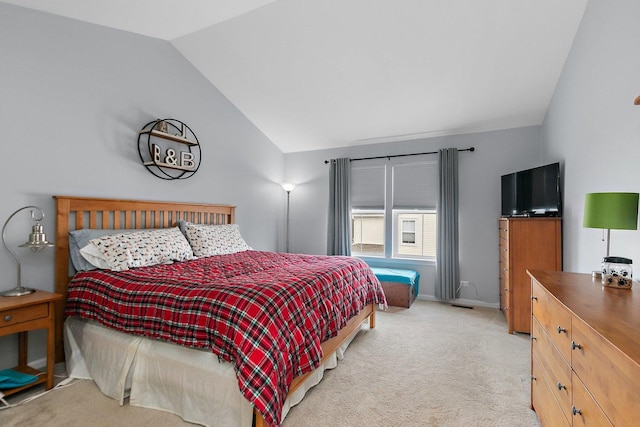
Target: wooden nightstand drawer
(23, 314)
(20, 315)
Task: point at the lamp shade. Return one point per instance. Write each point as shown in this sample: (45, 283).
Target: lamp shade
(616, 211)
(288, 186)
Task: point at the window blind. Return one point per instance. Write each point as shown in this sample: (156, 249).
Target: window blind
(415, 185)
(367, 187)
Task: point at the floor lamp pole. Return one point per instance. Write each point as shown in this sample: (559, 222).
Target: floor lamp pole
(287, 231)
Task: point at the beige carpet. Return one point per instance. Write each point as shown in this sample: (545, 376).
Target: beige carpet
(430, 365)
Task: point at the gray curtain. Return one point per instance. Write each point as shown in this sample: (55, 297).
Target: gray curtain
(339, 231)
(447, 257)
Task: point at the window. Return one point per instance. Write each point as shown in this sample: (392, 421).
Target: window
(408, 229)
(393, 201)
(417, 234)
(368, 232)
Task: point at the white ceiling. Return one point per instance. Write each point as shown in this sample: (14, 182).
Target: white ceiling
(313, 74)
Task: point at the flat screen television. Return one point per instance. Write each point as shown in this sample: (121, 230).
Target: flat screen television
(532, 192)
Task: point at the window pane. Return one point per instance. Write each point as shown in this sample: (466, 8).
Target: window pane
(415, 185)
(367, 187)
(416, 234)
(408, 237)
(368, 233)
(408, 231)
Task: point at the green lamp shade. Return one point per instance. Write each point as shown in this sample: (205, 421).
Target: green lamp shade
(617, 211)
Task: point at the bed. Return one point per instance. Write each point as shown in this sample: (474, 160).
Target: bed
(213, 379)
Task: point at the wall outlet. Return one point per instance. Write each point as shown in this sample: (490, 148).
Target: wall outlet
(464, 283)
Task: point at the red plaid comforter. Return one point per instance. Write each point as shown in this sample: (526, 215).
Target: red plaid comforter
(264, 312)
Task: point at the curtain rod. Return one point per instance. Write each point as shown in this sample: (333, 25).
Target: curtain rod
(471, 149)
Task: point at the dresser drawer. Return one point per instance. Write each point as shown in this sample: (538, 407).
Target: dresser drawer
(23, 314)
(543, 401)
(586, 411)
(504, 297)
(554, 367)
(503, 229)
(503, 248)
(553, 317)
(608, 373)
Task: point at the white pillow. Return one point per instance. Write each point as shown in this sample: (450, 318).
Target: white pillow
(120, 252)
(208, 240)
(94, 256)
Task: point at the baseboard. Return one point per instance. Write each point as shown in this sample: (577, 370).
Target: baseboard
(463, 302)
(40, 364)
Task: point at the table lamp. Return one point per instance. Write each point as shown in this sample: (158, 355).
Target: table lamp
(37, 241)
(617, 211)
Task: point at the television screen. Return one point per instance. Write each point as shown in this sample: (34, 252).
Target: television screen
(532, 192)
(542, 187)
(509, 206)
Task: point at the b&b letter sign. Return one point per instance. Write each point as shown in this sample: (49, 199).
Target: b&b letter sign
(169, 149)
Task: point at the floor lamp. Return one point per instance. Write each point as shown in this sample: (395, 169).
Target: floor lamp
(288, 187)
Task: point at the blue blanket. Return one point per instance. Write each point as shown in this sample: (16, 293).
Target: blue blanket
(10, 378)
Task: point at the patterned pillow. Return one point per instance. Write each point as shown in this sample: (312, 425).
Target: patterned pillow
(208, 240)
(123, 251)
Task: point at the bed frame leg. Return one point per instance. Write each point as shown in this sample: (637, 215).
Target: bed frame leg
(258, 421)
(372, 318)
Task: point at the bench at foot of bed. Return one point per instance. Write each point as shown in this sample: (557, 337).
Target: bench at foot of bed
(400, 285)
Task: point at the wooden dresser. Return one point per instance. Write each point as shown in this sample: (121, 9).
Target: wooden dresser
(585, 351)
(525, 243)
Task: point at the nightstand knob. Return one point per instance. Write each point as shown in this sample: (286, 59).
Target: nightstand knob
(575, 345)
(576, 411)
(561, 386)
(7, 318)
(561, 329)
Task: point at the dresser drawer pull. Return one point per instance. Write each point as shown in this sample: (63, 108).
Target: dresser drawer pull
(7, 318)
(576, 411)
(561, 330)
(575, 345)
(561, 386)
(534, 298)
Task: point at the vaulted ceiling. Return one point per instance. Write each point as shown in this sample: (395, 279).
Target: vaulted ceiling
(313, 74)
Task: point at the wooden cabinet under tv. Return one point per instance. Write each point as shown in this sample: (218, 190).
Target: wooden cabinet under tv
(525, 243)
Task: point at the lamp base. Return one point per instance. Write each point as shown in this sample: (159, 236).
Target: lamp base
(17, 292)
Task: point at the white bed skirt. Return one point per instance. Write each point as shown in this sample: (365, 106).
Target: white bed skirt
(190, 383)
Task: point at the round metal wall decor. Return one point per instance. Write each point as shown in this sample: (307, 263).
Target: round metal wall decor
(169, 149)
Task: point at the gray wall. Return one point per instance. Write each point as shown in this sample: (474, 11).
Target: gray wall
(73, 97)
(593, 125)
(497, 153)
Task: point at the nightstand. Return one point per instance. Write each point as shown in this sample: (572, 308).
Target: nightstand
(18, 315)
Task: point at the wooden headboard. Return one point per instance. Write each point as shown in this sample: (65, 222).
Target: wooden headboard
(75, 213)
